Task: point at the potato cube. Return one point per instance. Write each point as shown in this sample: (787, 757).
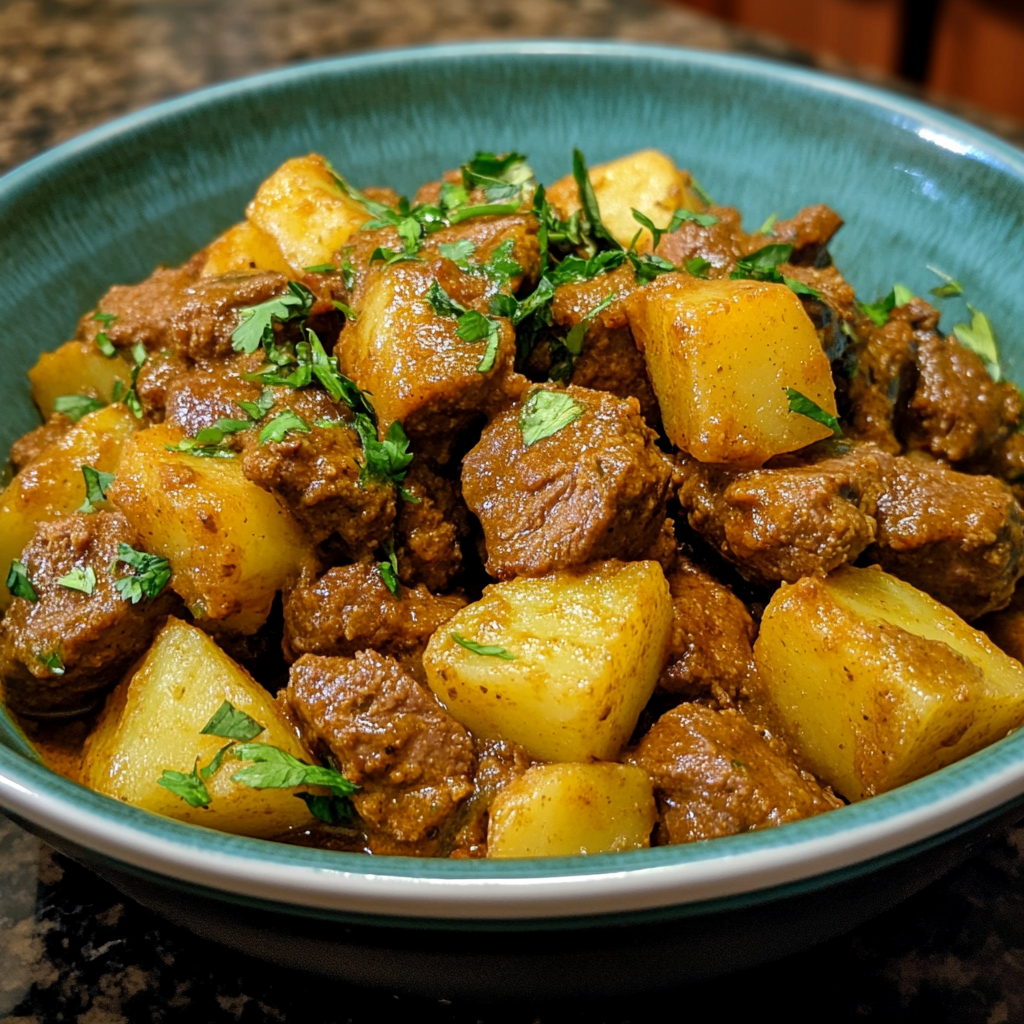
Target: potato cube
(563, 810)
(647, 181)
(876, 684)
(244, 249)
(721, 355)
(306, 213)
(586, 645)
(231, 544)
(154, 719)
(52, 485)
(76, 368)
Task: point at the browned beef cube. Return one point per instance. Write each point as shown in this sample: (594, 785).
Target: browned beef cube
(720, 244)
(714, 775)
(317, 475)
(29, 445)
(712, 633)
(349, 609)
(809, 231)
(413, 761)
(428, 532)
(596, 488)
(179, 310)
(799, 515)
(60, 653)
(208, 391)
(960, 538)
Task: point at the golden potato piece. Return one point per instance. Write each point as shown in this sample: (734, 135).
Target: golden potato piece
(563, 810)
(76, 368)
(231, 544)
(306, 213)
(876, 684)
(52, 484)
(586, 645)
(242, 250)
(647, 181)
(721, 355)
(153, 722)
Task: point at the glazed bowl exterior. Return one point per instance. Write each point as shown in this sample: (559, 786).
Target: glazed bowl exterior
(916, 187)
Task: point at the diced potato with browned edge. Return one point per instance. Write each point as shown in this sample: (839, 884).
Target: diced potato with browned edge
(244, 249)
(306, 213)
(231, 544)
(76, 368)
(563, 810)
(647, 181)
(588, 645)
(875, 684)
(52, 484)
(721, 355)
(153, 722)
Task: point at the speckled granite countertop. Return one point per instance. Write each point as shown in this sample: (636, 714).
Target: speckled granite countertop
(71, 947)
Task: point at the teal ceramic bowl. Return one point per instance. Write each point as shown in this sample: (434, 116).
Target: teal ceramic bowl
(915, 186)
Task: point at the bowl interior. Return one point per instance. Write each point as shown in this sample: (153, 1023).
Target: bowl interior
(915, 186)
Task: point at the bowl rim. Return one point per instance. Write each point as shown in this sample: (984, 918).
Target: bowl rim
(812, 852)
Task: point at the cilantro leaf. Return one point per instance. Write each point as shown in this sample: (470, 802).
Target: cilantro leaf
(232, 724)
(483, 210)
(341, 307)
(77, 406)
(878, 312)
(545, 413)
(104, 318)
(950, 289)
(276, 428)
(387, 460)
(593, 225)
(258, 409)
(705, 220)
(19, 584)
(256, 323)
(763, 265)
(321, 268)
(274, 768)
(209, 443)
(488, 170)
(105, 345)
(503, 266)
(902, 294)
(218, 758)
(575, 268)
(574, 339)
(131, 398)
(392, 256)
(701, 191)
(52, 661)
(388, 569)
(697, 267)
(804, 406)
(979, 338)
(96, 485)
(768, 227)
(190, 787)
(645, 222)
(488, 650)
(442, 303)
(647, 266)
(331, 810)
(83, 580)
(472, 326)
(152, 574)
(458, 252)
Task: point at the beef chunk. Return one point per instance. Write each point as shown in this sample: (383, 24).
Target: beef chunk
(179, 310)
(712, 633)
(809, 232)
(317, 476)
(29, 445)
(155, 377)
(428, 531)
(799, 515)
(573, 302)
(957, 412)
(960, 538)
(413, 361)
(209, 391)
(595, 489)
(721, 244)
(413, 761)
(96, 636)
(350, 609)
(714, 776)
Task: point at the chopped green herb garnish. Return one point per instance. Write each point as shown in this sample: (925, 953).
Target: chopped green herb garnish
(902, 294)
(591, 223)
(645, 222)
(131, 397)
(77, 406)
(210, 442)
(878, 312)
(190, 787)
(281, 424)
(574, 339)
(19, 584)
(768, 227)
(575, 268)
(763, 265)
(458, 252)
(387, 460)
(52, 661)
(104, 318)
(232, 724)
(647, 266)
(277, 769)
(105, 345)
(96, 486)
(488, 650)
(218, 758)
(258, 409)
(256, 323)
(804, 406)
(392, 256)
(388, 569)
(341, 307)
(503, 266)
(705, 220)
(497, 174)
(979, 338)
(442, 303)
(471, 325)
(83, 580)
(483, 210)
(950, 289)
(697, 267)
(152, 574)
(545, 413)
(331, 810)
(701, 191)
(321, 268)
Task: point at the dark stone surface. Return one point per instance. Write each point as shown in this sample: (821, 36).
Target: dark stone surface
(71, 947)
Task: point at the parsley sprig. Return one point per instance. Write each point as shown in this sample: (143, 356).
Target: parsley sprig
(545, 413)
(385, 461)
(97, 483)
(878, 312)
(82, 580)
(804, 406)
(256, 323)
(18, 582)
(763, 265)
(152, 574)
(471, 325)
